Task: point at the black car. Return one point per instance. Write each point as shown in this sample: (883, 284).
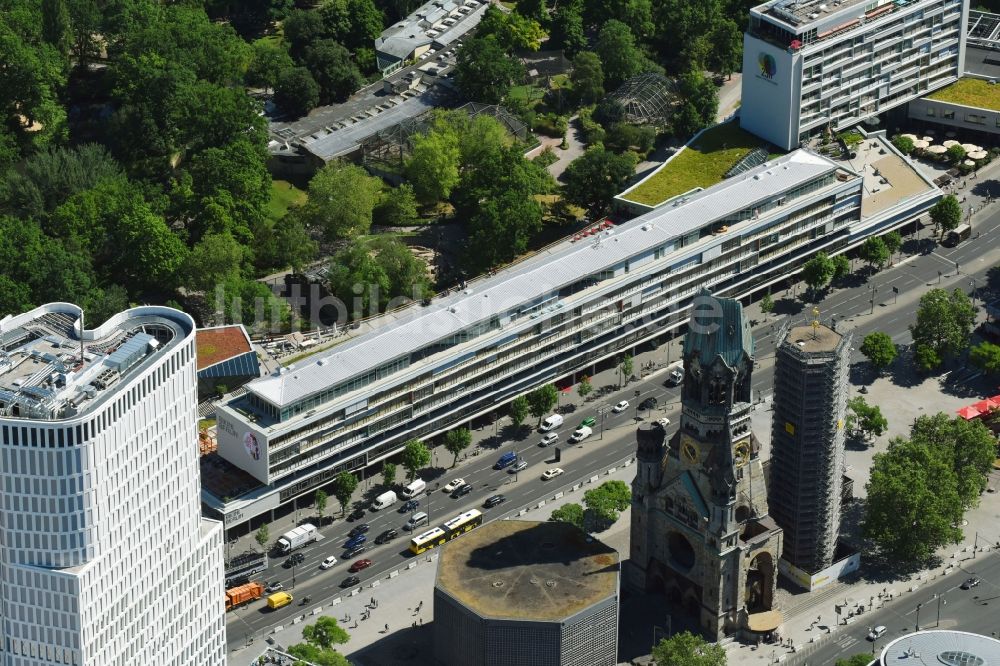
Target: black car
(357, 514)
(386, 536)
(359, 529)
(463, 489)
(352, 552)
(297, 558)
(408, 506)
(970, 583)
(494, 500)
(351, 581)
(648, 403)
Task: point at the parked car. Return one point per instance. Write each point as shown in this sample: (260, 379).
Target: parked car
(620, 407)
(453, 485)
(408, 506)
(276, 586)
(648, 403)
(970, 583)
(552, 473)
(588, 422)
(387, 536)
(549, 438)
(355, 540)
(357, 514)
(494, 500)
(328, 562)
(359, 565)
(350, 581)
(354, 552)
(462, 490)
(519, 466)
(359, 529)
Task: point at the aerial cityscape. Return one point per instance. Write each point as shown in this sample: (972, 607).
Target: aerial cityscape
(500, 333)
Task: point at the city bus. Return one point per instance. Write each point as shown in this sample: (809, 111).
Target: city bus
(958, 234)
(457, 526)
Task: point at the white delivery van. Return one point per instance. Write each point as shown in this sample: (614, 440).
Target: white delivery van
(581, 433)
(551, 422)
(387, 498)
(414, 489)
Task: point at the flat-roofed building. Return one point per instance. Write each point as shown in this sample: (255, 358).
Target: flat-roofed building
(433, 25)
(809, 65)
(105, 559)
(526, 593)
(418, 371)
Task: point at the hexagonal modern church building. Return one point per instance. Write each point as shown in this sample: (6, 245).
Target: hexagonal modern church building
(700, 527)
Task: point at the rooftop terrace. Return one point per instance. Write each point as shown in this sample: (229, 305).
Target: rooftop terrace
(48, 372)
(970, 92)
(528, 571)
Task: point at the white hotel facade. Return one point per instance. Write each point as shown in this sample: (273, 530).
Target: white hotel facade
(105, 559)
(813, 64)
(425, 369)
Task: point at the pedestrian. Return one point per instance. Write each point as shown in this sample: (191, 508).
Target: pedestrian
(386, 628)
(421, 622)
(373, 601)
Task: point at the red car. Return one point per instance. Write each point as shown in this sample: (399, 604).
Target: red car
(359, 565)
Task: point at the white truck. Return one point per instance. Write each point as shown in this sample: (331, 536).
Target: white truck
(414, 489)
(302, 535)
(388, 498)
(581, 433)
(551, 422)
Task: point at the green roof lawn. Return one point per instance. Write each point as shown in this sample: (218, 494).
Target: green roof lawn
(970, 92)
(701, 164)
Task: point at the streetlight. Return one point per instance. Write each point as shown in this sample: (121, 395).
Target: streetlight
(972, 283)
(874, 291)
(918, 616)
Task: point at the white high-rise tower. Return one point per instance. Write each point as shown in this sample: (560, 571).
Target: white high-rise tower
(105, 559)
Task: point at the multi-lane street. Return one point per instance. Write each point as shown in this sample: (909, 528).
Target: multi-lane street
(892, 312)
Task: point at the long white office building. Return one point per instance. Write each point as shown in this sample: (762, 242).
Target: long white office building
(424, 369)
(809, 65)
(105, 559)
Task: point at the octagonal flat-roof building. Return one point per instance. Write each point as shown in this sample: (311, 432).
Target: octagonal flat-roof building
(526, 593)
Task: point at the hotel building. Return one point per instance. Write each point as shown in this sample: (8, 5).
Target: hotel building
(809, 65)
(105, 559)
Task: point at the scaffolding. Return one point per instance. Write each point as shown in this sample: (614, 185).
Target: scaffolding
(807, 440)
(648, 99)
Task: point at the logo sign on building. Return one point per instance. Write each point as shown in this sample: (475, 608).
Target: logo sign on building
(768, 65)
(251, 445)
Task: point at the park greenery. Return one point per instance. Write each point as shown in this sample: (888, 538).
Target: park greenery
(603, 506)
(687, 649)
(921, 486)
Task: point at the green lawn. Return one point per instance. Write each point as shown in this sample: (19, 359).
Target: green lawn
(283, 195)
(701, 164)
(970, 92)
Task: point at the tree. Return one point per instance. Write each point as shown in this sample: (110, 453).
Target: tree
(893, 241)
(585, 387)
(571, 513)
(501, 229)
(388, 474)
(726, 55)
(687, 649)
(879, 349)
(484, 72)
(608, 500)
(397, 208)
(456, 441)
(290, 245)
(818, 271)
(213, 260)
(927, 359)
(866, 419)
(594, 178)
(542, 400)
(956, 153)
(325, 633)
(913, 506)
(384, 268)
(533, 9)
(767, 305)
(587, 77)
(969, 447)
(415, 456)
(56, 25)
(263, 536)
(874, 252)
(841, 266)
(344, 485)
(944, 322)
(432, 167)
(296, 92)
(619, 54)
(512, 30)
(518, 411)
(333, 69)
(567, 29)
(320, 500)
(699, 104)
(267, 62)
(986, 357)
(861, 659)
(904, 144)
(627, 366)
(946, 213)
(341, 200)
(317, 656)
(252, 303)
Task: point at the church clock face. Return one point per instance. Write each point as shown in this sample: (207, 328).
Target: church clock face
(689, 450)
(741, 453)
